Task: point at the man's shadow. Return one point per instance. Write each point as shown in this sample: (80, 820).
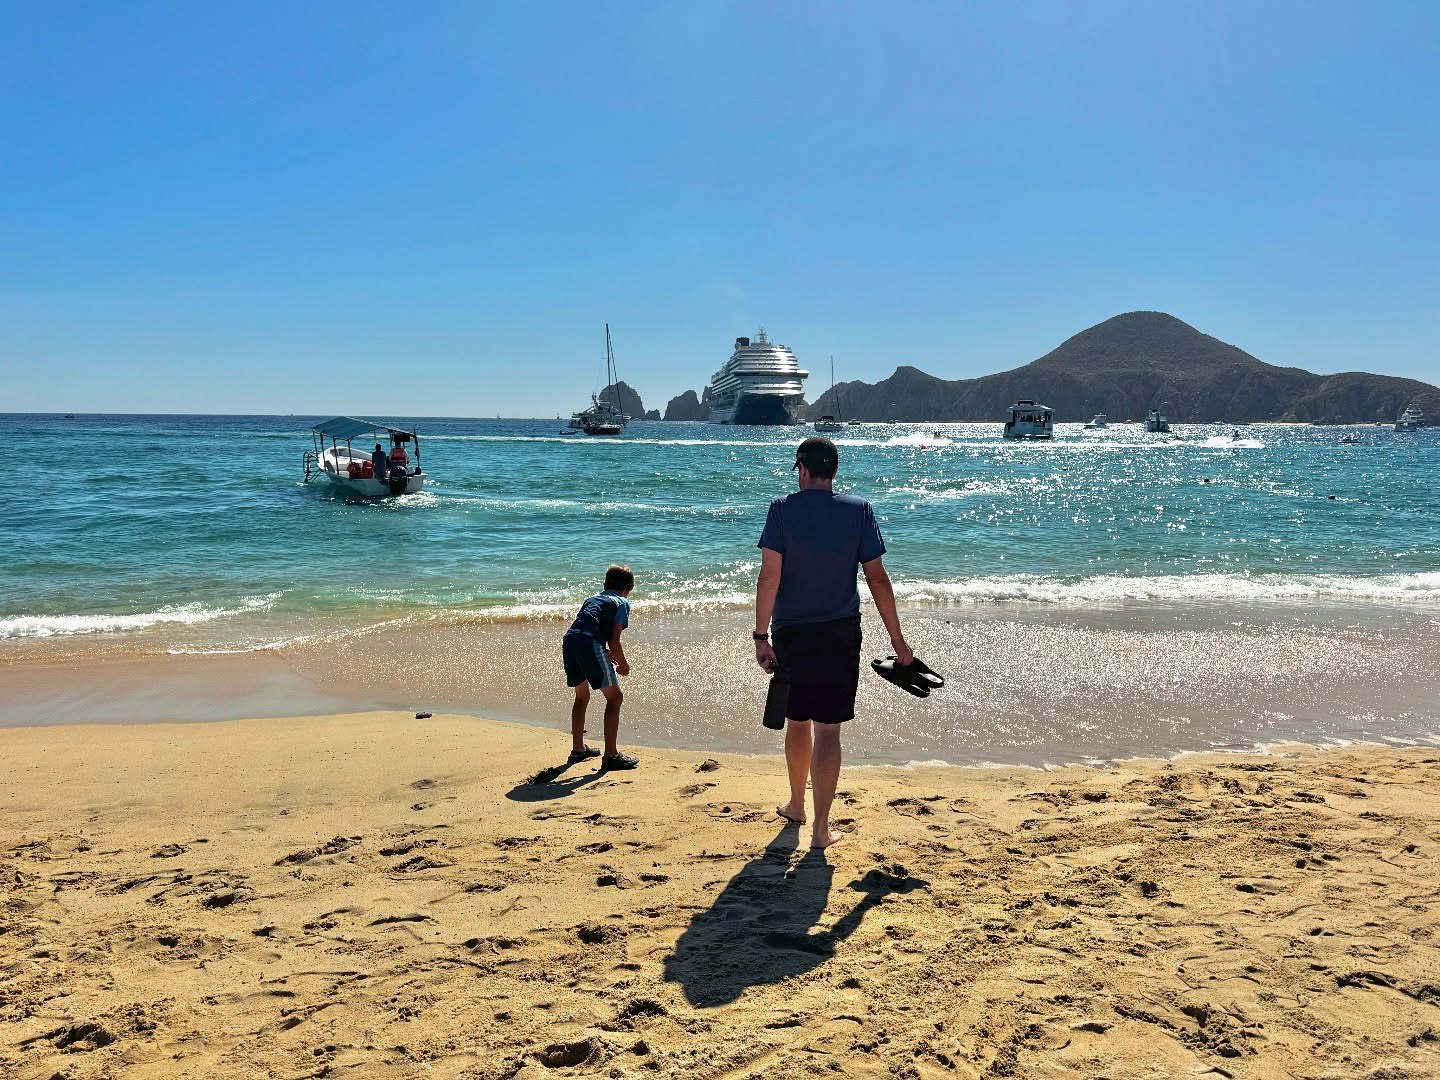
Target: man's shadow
(759, 930)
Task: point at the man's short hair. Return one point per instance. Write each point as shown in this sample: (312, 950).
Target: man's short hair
(619, 578)
(819, 456)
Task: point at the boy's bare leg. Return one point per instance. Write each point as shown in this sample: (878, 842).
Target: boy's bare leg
(824, 776)
(797, 764)
(577, 717)
(613, 698)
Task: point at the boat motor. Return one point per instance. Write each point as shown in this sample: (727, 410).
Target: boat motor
(398, 481)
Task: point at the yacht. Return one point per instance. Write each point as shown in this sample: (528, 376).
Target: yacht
(1156, 420)
(1029, 420)
(828, 422)
(1412, 419)
(761, 383)
(1100, 421)
(603, 417)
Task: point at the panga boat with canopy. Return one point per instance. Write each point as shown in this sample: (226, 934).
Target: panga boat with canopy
(1030, 420)
(353, 470)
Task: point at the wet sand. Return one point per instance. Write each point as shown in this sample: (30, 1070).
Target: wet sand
(1033, 686)
(376, 895)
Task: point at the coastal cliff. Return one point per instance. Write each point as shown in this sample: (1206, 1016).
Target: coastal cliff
(1128, 365)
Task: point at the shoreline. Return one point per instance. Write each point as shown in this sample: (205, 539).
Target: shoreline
(405, 897)
(1038, 687)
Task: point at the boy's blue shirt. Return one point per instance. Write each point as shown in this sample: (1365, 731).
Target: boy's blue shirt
(600, 614)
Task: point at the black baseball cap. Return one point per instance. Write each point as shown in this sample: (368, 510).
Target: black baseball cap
(818, 455)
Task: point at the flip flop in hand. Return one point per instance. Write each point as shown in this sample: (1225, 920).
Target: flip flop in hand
(914, 678)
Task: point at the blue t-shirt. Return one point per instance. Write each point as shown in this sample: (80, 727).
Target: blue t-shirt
(600, 614)
(824, 537)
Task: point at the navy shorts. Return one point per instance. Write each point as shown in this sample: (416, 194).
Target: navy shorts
(586, 661)
(823, 661)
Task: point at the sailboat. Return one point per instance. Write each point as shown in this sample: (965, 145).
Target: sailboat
(603, 417)
(828, 422)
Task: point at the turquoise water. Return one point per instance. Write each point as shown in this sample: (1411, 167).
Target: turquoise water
(198, 528)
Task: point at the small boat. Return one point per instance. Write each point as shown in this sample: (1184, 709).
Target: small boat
(828, 422)
(1156, 420)
(1030, 420)
(352, 471)
(1412, 419)
(603, 417)
(1100, 420)
(69, 416)
(1350, 439)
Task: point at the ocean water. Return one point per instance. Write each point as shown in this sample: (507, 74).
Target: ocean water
(195, 533)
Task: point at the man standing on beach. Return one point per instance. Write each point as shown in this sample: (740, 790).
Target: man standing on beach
(813, 542)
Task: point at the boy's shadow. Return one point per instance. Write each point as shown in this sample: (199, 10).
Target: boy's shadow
(759, 930)
(551, 783)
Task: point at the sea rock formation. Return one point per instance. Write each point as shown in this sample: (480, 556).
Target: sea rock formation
(624, 396)
(686, 407)
(1128, 365)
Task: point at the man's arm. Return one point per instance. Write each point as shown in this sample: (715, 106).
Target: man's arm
(617, 653)
(884, 595)
(765, 589)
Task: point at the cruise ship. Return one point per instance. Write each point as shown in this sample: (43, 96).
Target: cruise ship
(761, 383)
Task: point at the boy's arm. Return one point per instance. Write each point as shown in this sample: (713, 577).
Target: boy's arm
(617, 653)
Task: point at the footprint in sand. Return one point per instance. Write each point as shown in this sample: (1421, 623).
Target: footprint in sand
(418, 863)
(913, 807)
(405, 847)
(333, 846)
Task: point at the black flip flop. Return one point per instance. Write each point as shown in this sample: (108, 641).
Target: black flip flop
(914, 678)
(923, 674)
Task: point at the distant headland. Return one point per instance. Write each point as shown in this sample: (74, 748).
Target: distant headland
(1124, 367)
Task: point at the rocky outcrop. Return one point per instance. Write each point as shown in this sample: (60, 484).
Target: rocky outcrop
(686, 407)
(1128, 365)
(624, 395)
(653, 414)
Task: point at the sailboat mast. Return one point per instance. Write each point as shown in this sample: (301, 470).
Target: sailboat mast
(610, 381)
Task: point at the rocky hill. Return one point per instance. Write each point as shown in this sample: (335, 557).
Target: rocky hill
(1128, 365)
(686, 407)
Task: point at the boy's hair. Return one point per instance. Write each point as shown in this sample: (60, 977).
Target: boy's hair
(619, 578)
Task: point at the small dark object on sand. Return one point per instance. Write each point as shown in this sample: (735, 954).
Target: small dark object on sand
(423, 715)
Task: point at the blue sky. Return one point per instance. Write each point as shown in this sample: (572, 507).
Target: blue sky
(432, 209)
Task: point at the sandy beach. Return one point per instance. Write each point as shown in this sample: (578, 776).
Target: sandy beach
(379, 895)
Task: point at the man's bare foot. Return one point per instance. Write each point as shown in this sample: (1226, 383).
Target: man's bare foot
(788, 813)
(825, 839)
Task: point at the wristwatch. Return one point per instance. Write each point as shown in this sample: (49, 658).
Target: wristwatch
(760, 637)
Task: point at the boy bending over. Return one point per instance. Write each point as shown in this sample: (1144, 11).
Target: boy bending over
(593, 657)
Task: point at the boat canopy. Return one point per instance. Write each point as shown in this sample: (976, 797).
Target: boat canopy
(345, 428)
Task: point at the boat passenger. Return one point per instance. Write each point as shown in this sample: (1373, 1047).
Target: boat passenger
(381, 463)
(398, 458)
